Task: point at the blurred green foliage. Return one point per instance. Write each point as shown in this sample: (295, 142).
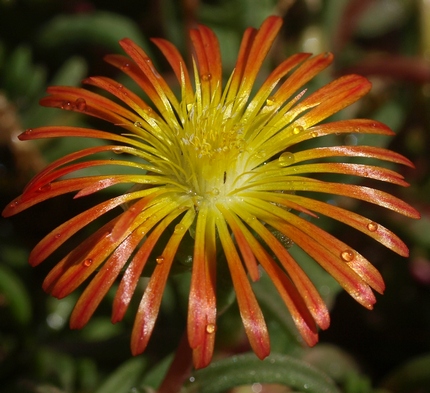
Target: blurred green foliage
(44, 42)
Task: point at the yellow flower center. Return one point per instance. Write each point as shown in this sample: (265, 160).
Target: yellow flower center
(212, 146)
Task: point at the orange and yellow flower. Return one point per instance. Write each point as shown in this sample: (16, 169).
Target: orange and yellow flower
(215, 166)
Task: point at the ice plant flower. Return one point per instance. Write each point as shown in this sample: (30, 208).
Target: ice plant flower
(216, 166)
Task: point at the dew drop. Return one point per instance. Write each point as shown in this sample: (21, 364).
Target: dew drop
(137, 124)
(314, 134)
(372, 226)
(151, 65)
(250, 219)
(179, 229)
(210, 328)
(297, 130)
(13, 204)
(270, 101)
(159, 260)
(45, 187)
(117, 150)
(81, 104)
(206, 77)
(125, 66)
(66, 105)
(88, 262)
(286, 158)
(347, 255)
(260, 154)
(28, 131)
(57, 235)
(215, 191)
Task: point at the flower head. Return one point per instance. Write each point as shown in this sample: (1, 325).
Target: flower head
(215, 166)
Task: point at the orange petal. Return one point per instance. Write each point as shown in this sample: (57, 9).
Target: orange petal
(244, 247)
(150, 304)
(313, 241)
(252, 317)
(62, 233)
(330, 99)
(202, 300)
(178, 65)
(100, 284)
(304, 285)
(260, 45)
(363, 224)
(352, 151)
(163, 213)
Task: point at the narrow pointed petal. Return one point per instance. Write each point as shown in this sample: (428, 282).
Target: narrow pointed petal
(170, 103)
(303, 301)
(363, 224)
(162, 215)
(307, 290)
(208, 56)
(62, 233)
(202, 302)
(150, 304)
(258, 50)
(330, 99)
(244, 247)
(178, 65)
(252, 317)
(101, 283)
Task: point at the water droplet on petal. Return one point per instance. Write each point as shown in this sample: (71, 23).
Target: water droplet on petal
(57, 235)
(13, 204)
(206, 77)
(28, 131)
(297, 130)
(210, 328)
(286, 158)
(270, 101)
(314, 134)
(215, 191)
(137, 124)
(117, 150)
(179, 229)
(372, 226)
(250, 219)
(125, 66)
(88, 262)
(81, 104)
(151, 65)
(45, 187)
(159, 260)
(347, 255)
(66, 105)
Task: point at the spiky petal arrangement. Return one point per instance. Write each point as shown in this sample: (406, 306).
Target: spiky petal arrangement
(217, 164)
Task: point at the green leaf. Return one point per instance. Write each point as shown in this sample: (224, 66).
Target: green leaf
(57, 367)
(156, 374)
(15, 295)
(101, 27)
(248, 369)
(413, 376)
(125, 377)
(22, 79)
